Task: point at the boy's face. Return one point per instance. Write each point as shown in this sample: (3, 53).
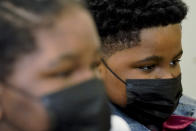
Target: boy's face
(156, 56)
(64, 57)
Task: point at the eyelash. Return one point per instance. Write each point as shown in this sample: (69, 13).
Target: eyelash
(175, 62)
(150, 68)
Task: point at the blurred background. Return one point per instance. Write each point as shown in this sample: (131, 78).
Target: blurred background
(189, 46)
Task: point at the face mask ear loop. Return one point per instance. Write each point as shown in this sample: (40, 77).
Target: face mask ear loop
(105, 64)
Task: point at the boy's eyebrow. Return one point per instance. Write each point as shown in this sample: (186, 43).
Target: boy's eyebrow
(157, 58)
(150, 58)
(178, 55)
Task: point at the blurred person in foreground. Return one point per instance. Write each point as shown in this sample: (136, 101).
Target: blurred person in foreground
(48, 51)
(141, 45)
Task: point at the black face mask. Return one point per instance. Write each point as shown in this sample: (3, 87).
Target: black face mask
(83, 107)
(151, 101)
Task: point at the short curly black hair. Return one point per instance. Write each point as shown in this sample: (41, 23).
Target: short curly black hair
(119, 21)
(18, 19)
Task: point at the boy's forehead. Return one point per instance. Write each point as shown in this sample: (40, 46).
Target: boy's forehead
(157, 41)
(161, 38)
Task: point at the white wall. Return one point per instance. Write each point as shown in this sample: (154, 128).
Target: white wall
(189, 46)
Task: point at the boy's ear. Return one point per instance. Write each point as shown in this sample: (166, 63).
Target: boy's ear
(99, 68)
(98, 71)
(102, 70)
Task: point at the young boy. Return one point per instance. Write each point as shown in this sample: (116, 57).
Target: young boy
(141, 44)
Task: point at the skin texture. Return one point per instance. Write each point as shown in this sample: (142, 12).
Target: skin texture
(65, 55)
(155, 57)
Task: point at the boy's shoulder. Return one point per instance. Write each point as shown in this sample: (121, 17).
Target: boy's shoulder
(187, 107)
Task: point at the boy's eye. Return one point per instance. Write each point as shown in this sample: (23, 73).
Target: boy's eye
(175, 62)
(148, 68)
